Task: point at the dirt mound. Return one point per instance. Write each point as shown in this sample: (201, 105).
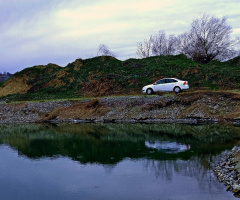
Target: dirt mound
(98, 87)
(33, 79)
(17, 84)
(105, 75)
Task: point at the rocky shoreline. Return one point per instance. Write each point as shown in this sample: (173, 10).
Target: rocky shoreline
(227, 170)
(194, 108)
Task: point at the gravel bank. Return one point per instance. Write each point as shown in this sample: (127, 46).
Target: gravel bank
(150, 109)
(28, 112)
(228, 171)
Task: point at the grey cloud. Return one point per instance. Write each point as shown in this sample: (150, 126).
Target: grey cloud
(30, 36)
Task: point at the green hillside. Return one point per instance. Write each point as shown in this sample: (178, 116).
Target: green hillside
(101, 76)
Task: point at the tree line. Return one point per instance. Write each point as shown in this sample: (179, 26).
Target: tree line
(4, 76)
(208, 39)
(6, 73)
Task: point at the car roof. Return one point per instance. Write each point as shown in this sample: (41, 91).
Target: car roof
(171, 78)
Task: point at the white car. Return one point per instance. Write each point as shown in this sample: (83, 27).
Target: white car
(166, 85)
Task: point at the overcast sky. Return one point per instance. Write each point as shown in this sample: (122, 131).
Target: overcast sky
(38, 32)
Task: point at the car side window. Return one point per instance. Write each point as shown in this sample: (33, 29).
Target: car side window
(169, 80)
(161, 81)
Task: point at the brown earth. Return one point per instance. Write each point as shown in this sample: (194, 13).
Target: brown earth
(17, 84)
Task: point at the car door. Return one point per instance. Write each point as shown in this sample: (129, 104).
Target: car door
(169, 85)
(159, 85)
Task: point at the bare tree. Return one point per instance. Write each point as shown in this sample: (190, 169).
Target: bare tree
(161, 45)
(157, 44)
(144, 49)
(208, 39)
(171, 45)
(184, 42)
(103, 50)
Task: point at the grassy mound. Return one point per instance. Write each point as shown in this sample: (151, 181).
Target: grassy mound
(105, 75)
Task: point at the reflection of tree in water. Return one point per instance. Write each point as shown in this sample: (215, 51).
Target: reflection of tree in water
(109, 168)
(198, 167)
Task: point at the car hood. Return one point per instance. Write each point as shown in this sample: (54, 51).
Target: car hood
(147, 86)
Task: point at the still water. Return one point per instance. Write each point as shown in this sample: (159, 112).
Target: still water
(113, 161)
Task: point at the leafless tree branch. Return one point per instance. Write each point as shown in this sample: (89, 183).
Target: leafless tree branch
(161, 45)
(208, 39)
(144, 49)
(103, 50)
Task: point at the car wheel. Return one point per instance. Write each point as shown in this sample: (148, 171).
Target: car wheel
(149, 91)
(177, 89)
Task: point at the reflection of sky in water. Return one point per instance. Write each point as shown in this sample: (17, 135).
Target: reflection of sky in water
(112, 161)
(62, 178)
(167, 147)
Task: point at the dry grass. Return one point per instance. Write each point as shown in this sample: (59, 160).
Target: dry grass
(154, 105)
(197, 110)
(235, 114)
(191, 71)
(198, 94)
(96, 88)
(133, 82)
(17, 84)
(87, 110)
(78, 64)
(54, 83)
(61, 73)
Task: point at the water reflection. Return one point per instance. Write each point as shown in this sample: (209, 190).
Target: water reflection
(139, 161)
(167, 147)
(109, 144)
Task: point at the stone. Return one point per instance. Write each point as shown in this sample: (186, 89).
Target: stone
(236, 188)
(236, 191)
(228, 188)
(234, 148)
(237, 167)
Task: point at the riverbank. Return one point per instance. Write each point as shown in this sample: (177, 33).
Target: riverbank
(227, 171)
(190, 107)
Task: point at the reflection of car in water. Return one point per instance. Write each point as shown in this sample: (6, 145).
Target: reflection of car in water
(167, 147)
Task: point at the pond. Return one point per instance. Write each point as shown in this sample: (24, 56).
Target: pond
(113, 161)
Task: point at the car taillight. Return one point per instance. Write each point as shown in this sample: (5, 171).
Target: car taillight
(184, 83)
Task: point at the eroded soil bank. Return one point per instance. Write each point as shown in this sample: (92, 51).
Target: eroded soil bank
(194, 107)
